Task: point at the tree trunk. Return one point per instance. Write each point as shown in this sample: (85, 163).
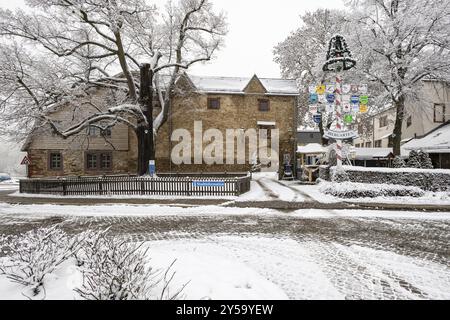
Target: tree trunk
(146, 147)
(397, 134)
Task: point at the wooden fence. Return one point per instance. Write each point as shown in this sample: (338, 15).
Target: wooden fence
(210, 185)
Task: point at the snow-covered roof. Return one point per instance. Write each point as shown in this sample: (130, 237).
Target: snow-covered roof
(311, 148)
(372, 153)
(236, 85)
(437, 141)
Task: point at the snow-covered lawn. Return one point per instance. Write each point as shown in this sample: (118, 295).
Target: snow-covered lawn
(254, 267)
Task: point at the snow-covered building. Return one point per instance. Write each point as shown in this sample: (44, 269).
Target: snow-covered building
(436, 143)
(218, 102)
(421, 117)
(306, 136)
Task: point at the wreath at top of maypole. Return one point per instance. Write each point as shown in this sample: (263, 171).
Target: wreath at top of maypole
(339, 57)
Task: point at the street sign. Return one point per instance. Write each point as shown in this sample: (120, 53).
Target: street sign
(364, 99)
(354, 99)
(151, 167)
(330, 98)
(313, 98)
(313, 109)
(341, 135)
(330, 108)
(346, 107)
(346, 88)
(348, 118)
(321, 89)
(208, 184)
(317, 118)
(25, 161)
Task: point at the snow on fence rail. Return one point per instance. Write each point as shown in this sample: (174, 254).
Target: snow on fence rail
(126, 185)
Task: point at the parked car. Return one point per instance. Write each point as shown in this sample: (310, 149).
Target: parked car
(4, 177)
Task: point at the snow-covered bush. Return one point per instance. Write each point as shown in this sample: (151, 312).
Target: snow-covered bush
(362, 190)
(398, 163)
(117, 270)
(425, 160)
(34, 254)
(339, 175)
(414, 160)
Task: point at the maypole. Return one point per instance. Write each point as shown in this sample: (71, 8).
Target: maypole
(339, 59)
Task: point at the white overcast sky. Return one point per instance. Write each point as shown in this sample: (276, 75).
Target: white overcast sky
(255, 27)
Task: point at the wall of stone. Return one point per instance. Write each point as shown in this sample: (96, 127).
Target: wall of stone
(73, 164)
(236, 112)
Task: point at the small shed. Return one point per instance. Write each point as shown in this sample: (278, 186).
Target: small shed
(373, 157)
(309, 158)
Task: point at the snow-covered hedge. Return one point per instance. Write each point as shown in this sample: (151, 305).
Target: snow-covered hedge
(348, 190)
(426, 179)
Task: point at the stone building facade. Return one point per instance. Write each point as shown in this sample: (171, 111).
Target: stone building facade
(220, 103)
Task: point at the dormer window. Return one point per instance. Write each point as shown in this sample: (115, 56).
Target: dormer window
(95, 131)
(214, 103)
(263, 105)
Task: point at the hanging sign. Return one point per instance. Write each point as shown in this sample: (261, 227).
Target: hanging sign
(25, 161)
(331, 88)
(313, 109)
(320, 89)
(354, 88)
(341, 135)
(354, 99)
(312, 89)
(348, 118)
(346, 88)
(313, 98)
(317, 118)
(346, 107)
(330, 98)
(363, 108)
(363, 88)
(364, 100)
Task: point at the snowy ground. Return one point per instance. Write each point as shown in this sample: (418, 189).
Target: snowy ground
(229, 253)
(249, 253)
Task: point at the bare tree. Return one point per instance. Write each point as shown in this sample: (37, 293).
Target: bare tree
(100, 38)
(401, 43)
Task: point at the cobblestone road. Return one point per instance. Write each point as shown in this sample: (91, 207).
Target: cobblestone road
(344, 248)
